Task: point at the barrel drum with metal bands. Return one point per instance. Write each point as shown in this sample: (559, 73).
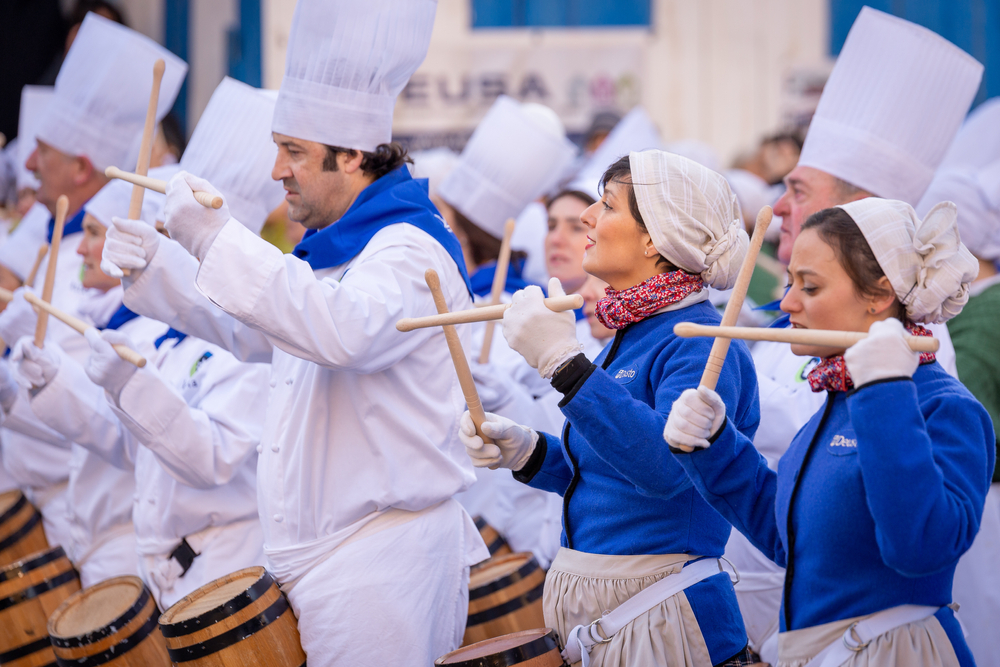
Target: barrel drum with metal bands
(505, 596)
(21, 531)
(528, 648)
(494, 541)
(112, 623)
(30, 591)
(240, 620)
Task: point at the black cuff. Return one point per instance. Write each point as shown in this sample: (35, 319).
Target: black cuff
(725, 420)
(898, 378)
(570, 373)
(535, 461)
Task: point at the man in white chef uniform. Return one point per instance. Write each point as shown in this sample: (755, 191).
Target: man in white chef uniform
(888, 113)
(79, 134)
(359, 458)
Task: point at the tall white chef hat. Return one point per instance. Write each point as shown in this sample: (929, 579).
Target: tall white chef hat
(112, 201)
(691, 215)
(102, 92)
(34, 100)
(232, 147)
(928, 266)
(346, 63)
(433, 164)
(891, 107)
(976, 192)
(516, 154)
(19, 252)
(978, 141)
(634, 132)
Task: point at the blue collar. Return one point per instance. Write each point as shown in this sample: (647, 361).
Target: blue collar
(782, 321)
(390, 200)
(121, 316)
(171, 333)
(482, 279)
(71, 226)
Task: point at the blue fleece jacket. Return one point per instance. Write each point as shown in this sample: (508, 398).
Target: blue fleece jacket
(623, 491)
(878, 496)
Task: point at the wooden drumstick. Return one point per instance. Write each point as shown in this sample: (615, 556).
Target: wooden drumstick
(125, 352)
(42, 250)
(721, 345)
(484, 314)
(499, 280)
(821, 337)
(458, 357)
(146, 147)
(62, 207)
(157, 185)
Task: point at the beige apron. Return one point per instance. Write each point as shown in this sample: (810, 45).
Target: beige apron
(920, 644)
(580, 587)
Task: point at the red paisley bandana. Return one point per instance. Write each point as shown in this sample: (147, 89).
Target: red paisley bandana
(620, 308)
(831, 373)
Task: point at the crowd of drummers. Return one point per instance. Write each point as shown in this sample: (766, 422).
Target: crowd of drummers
(520, 405)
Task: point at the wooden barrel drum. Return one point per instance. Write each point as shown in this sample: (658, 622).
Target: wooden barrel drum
(494, 541)
(240, 620)
(505, 596)
(528, 648)
(110, 623)
(30, 591)
(21, 531)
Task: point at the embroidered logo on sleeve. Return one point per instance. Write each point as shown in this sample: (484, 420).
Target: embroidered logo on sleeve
(625, 375)
(842, 446)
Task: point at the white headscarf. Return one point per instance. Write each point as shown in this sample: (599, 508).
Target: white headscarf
(691, 215)
(927, 265)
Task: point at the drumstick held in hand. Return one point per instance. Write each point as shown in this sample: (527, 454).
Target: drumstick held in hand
(821, 337)
(157, 185)
(721, 345)
(42, 251)
(499, 280)
(483, 314)
(458, 357)
(62, 207)
(126, 353)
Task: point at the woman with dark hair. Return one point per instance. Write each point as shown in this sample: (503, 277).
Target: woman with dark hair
(882, 491)
(636, 541)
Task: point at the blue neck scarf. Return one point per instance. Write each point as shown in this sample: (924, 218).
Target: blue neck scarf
(171, 333)
(482, 279)
(392, 199)
(121, 316)
(71, 226)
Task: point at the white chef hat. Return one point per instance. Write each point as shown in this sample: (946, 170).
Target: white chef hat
(34, 100)
(978, 141)
(752, 191)
(515, 155)
(112, 201)
(891, 107)
(232, 148)
(634, 132)
(102, 92)
(433, 164)
(346, 63)
(976, 192)
(929, 268)
(19, 252)
(691, 215)
(696, 150)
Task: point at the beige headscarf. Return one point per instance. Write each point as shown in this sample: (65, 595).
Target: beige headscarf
(928, 266)
(691, 214)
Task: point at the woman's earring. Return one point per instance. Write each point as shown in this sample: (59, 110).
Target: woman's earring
(871, 310)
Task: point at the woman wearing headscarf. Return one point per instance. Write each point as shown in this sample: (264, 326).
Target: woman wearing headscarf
(636, 541)
(882, 491)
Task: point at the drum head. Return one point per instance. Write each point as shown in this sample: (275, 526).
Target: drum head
(212, 595)
(95, 607)
(497, 568)
(518, 647)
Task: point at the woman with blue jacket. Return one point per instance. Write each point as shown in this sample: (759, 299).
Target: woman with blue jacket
(882, 491)
(636, 542)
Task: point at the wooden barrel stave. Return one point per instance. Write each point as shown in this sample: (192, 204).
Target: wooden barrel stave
(527, 648)
(495, 542)
(30, 591)
(21, 530)
(505, 596)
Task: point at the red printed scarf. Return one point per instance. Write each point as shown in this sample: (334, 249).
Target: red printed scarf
(831, 373)
(620, 308)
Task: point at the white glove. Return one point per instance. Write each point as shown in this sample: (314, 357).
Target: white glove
(104, 367)
(884, 354)
(695, 417)
(189, 223)
(543, 337)
(129, 244)
(18, 319)
(9, 389)
(513, 443)
(36, 367)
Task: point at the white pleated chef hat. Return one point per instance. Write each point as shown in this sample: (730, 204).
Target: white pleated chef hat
(232, 148)
(515, 155)
(634, 132)
(102, 92)
(34, 100)
(978, 141)
(434, 164)
(112, 201)
(976, 192)
(928, 266)
(347, 61)
(691, 215)
(891, 107)
(19, 252)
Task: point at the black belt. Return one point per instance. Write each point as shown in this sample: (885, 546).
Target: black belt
(184, 554)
